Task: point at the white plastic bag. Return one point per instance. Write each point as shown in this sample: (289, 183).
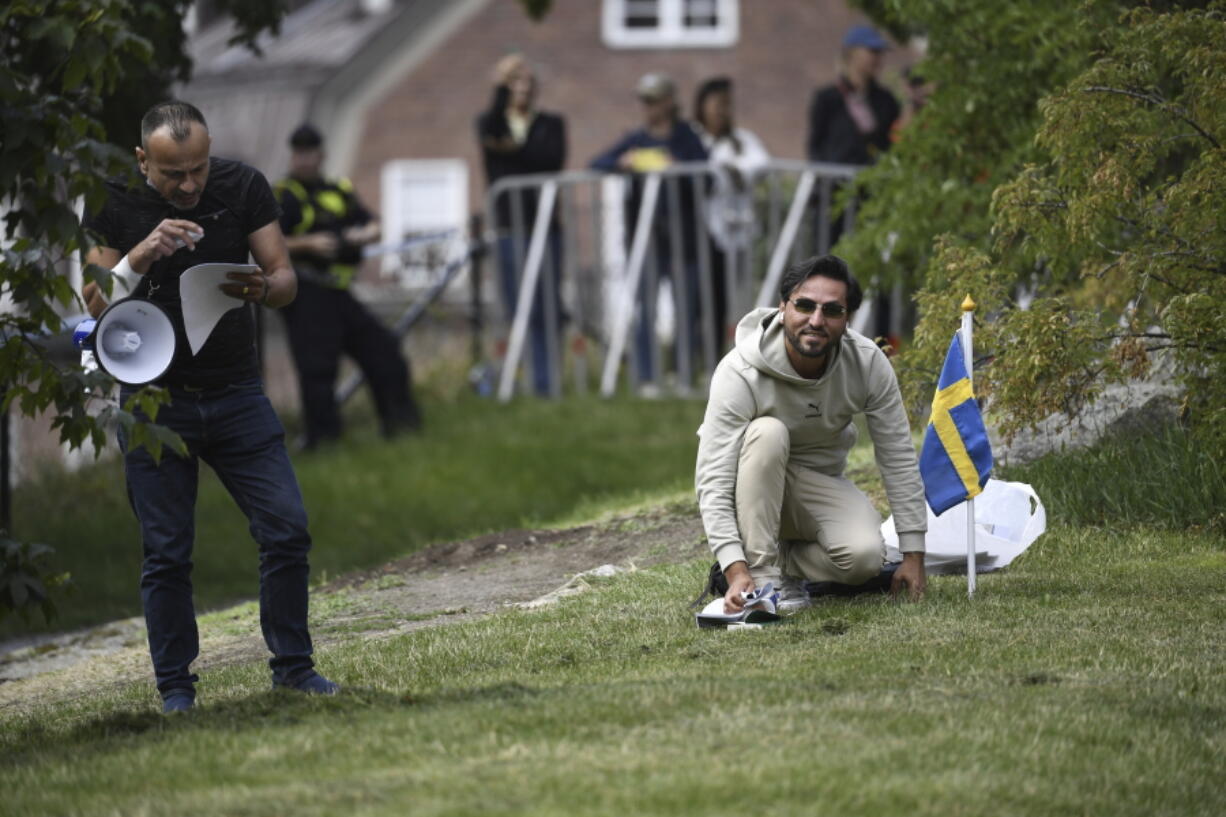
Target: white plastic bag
(1008, 517)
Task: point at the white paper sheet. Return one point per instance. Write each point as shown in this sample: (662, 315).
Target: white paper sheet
(203, 302)
(762, 601)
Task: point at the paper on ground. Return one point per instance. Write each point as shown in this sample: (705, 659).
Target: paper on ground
(1009, 516)
(759, 609)
(203, 303)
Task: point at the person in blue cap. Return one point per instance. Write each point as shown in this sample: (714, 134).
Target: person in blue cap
(850, 120)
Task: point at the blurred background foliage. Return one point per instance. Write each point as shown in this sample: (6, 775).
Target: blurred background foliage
(75, 78)
(1068, 171)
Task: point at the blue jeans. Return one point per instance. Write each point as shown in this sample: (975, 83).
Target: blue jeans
(509, 277)
(235, 430)
(687, 313)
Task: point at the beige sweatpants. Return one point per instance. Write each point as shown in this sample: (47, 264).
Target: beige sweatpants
(797, 522)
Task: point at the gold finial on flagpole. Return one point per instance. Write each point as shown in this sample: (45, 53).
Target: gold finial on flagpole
(968, 305)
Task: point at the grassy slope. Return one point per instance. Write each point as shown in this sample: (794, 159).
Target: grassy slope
(1084, 680)
(479, 466)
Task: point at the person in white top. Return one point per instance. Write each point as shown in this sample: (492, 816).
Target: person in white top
(730, 221)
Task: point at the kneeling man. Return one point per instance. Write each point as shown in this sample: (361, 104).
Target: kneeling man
(774, 442)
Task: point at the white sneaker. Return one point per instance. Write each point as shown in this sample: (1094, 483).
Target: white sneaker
(792, 596)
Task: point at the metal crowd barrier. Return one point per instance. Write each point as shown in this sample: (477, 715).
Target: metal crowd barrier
(609, 261)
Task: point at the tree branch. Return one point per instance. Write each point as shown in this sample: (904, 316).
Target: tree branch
(1161, 102)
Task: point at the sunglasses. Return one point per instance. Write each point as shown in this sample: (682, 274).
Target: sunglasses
(830, 309)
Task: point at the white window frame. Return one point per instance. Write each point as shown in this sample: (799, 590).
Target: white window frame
(671, 31)
(406, 185)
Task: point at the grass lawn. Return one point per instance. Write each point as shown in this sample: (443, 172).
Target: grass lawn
(1086, 679)
(479, 466)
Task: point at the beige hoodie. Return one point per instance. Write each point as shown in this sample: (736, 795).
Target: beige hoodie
(756, 379)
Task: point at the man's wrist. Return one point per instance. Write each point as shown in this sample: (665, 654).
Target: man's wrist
(736, 570)
(138, 261)
(124, 273)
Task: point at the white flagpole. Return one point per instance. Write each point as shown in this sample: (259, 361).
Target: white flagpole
(968, 310)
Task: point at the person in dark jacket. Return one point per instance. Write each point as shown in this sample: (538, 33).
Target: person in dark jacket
(517, 139)
(325, 228)
(663, 139)
(851, 122)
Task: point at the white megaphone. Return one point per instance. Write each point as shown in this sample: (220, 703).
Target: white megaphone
(133, 340)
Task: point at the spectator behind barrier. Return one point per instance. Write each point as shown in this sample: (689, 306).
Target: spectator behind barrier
(518, 139)
(730, 217)
(850, 123)
(663, 139)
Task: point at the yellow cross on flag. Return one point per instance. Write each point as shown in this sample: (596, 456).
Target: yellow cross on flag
(956, 457)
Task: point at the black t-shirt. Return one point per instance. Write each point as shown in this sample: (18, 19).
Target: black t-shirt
(236, 202)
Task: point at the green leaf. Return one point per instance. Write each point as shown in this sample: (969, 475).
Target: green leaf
(74, 73)
(19, 595)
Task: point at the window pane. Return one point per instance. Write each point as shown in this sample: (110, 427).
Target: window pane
(642, 13)
(701, 13)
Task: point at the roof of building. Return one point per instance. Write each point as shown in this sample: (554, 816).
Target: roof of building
(313, 42)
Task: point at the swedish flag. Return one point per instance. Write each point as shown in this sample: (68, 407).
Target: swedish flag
(956, 458)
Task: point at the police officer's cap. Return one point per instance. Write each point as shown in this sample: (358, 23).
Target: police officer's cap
(305, 136)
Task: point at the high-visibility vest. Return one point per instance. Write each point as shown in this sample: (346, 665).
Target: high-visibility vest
(333, 200)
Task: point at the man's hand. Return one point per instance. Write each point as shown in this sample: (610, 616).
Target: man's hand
(911, 574)
(361, 235)
(502, 144)
(163, 241)
(322, 243)
(507, 67)
(95, 302)
(252, 287)
(739, 582)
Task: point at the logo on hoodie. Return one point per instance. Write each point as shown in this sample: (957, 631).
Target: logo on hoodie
(817, 410)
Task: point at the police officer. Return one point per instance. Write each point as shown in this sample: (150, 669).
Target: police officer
(325, 228)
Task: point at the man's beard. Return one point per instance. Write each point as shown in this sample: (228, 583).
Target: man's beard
(795, 341)
(171, 199)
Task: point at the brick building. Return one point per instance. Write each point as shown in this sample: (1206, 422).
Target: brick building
(390, 81)
(398, 83)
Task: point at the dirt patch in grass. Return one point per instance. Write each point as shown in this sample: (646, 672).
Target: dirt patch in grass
(436, 586)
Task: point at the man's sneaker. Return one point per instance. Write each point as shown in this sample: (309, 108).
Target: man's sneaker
(793, 597)
(178, 700)
(313, 684)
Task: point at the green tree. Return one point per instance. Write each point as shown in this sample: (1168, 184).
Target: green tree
(1125, 209)
(991, 62)
(67, 69)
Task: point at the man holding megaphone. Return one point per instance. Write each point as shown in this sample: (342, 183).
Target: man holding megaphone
(194, 209)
